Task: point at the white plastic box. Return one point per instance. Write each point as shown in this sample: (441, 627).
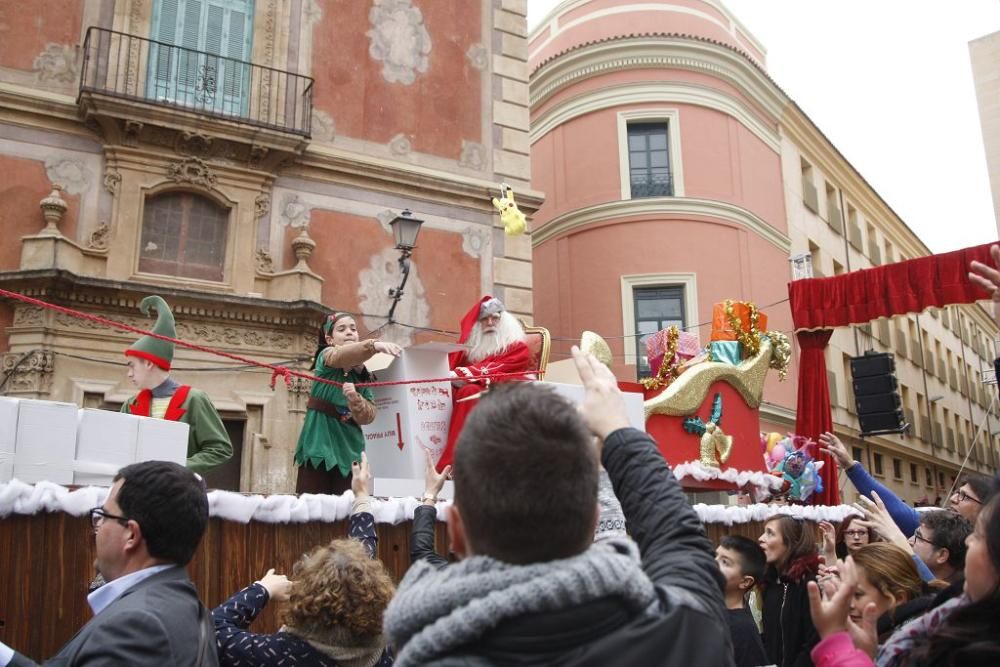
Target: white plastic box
(45, 445)
(105, 442)
(410, 418)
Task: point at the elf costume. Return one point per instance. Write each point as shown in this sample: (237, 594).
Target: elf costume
(208, 442)
(331, 437)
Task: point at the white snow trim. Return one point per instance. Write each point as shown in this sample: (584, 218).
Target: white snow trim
(763, 482)
(730, 514)
(16, 497)
(19, 498)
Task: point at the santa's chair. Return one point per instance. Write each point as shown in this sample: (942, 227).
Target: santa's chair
(539, 342)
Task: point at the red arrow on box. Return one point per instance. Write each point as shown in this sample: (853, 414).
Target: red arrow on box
(399, 432)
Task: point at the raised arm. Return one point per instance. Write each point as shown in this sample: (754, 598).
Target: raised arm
(676, 553)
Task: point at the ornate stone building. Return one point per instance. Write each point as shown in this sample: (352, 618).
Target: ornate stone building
(243, 158)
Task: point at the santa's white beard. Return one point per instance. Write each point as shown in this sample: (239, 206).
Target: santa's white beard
(487, 344)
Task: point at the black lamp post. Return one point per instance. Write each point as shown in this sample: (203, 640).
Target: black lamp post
(405, 229)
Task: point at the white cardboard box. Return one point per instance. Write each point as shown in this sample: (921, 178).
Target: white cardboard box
(161, 440)
(46, 442)
(105, 442)
(410, 418)
(8, 437)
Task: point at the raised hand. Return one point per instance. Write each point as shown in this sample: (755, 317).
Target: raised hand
(433, 481)
(361, 477)
(277, 585)
(603, 407)
(832, 445)
(878, 519)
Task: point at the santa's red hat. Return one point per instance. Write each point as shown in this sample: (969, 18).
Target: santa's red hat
(491, 305)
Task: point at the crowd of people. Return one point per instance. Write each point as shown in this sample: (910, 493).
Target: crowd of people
(526, 582)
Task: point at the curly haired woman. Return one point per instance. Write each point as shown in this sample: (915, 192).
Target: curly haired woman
(335, 603)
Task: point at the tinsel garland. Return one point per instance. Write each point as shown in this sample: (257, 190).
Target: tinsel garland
(749, 337)
(781, 353)
(669, 369)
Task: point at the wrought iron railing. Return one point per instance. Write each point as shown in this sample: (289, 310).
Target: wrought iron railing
(652, 183)
(145, 70)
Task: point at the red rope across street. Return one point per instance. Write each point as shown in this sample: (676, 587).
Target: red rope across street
(276, 371)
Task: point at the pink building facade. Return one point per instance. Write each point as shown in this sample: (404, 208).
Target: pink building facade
(655, 138)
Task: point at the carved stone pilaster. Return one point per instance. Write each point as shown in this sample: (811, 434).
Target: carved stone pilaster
(298, 394)
(28, 374)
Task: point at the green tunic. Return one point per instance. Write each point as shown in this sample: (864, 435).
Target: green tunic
(326, 441)
(208, 441)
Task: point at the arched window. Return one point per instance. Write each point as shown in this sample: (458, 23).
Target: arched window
(184, 235)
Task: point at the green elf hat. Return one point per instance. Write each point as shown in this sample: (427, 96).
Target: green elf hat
(159, 352)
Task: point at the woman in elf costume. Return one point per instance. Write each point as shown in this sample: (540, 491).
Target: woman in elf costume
(331, 437)
(160, 396)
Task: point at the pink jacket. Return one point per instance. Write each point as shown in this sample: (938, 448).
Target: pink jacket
(838, 651)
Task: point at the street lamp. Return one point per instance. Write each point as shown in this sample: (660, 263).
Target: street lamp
(405, 229)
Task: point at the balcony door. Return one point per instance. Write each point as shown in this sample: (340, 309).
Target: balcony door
(200, 54)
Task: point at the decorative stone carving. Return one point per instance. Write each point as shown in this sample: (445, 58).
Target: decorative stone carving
(474, 241)
(28, 316)
(132, 129)
(373, 295)
(192, 170)
(473, 155)
(400, 145)
(112, 181)
(57, 63)
(478, 56)
(262, 205)
(71, 175)
(398, 39)
(53, 209)
(193, 143)
(303, 247)
(257, 154)
(294, 211)
(99, 237)
(28, 372)
(265, 263)
(323, 127)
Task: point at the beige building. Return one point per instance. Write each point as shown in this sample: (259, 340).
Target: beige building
(243, 159)
(941, 355)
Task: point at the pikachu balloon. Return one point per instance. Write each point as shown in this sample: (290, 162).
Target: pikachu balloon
(513, 220)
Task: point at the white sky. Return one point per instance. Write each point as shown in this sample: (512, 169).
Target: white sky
(889, 82)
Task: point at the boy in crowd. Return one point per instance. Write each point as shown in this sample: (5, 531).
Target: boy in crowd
(742, 563)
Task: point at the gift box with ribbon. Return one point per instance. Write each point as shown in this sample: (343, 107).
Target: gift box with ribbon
(729, 315)
(727, 351)
(688, 347)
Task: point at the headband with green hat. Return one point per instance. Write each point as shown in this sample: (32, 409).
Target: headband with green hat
(159, 352)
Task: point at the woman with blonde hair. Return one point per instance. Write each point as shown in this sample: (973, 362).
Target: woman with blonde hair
(888, 577)
(335, 603)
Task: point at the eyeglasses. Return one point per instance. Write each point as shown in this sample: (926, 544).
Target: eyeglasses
(98, 515)
(917, 537)
(856, 533)
(963, 496)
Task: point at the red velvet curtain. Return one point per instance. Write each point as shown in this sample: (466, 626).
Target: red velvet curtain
(813, 414)
(820, 304)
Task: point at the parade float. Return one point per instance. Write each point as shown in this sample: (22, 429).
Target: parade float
(701, 406)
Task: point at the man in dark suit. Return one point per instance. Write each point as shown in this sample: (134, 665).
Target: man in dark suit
(149, 612)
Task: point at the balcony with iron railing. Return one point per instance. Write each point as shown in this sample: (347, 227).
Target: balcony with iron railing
(127, 67)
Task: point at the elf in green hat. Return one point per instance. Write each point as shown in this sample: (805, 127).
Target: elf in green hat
(161, 397)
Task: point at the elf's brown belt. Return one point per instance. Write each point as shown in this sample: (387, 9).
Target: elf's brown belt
(330, 409)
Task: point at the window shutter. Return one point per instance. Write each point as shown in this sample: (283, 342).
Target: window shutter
(166, 32)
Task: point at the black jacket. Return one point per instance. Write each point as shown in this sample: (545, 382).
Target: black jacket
(686, 626)
(789, 634)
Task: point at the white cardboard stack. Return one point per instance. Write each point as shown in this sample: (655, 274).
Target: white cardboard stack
(410, 418)
(57, 442)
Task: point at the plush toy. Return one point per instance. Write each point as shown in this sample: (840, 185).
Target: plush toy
(513, 220)
(789, 459)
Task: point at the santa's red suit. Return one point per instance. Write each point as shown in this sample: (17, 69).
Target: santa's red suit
(516, 358)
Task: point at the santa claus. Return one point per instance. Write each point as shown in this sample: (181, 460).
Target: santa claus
(495, 344)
